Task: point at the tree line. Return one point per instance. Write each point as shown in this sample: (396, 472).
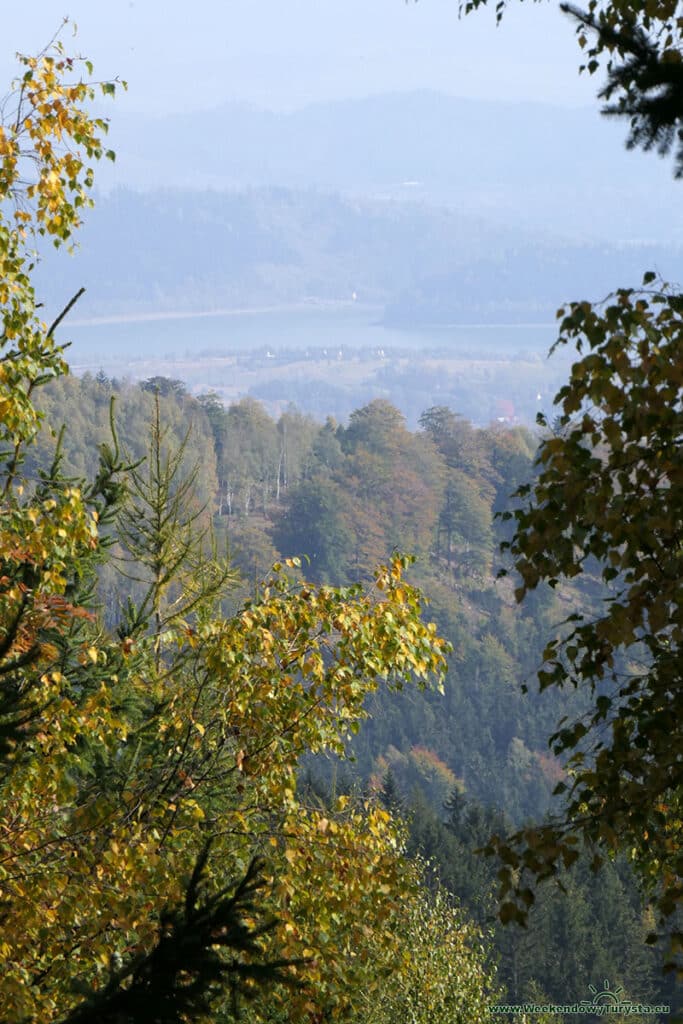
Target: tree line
(455, 765)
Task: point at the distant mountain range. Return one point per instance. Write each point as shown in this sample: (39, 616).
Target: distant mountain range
(559, 171)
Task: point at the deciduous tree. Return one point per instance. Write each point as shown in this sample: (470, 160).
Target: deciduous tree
(122, 755)
(607, 502)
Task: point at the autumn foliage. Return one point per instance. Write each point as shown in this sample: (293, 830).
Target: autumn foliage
(148, 775)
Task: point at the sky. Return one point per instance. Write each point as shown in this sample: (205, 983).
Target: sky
(284, 54)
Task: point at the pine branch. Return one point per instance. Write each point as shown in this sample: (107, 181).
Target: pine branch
(204, 951)
(647, 86)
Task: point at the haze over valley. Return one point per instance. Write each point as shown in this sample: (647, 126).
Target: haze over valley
(414, 225)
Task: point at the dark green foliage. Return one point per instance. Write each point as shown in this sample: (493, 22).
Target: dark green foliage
(605, 509)
(646, 87)
(326, 449)
(318, 525)
(590, 928)
(20, 703)
(164, 386)
(369, 488)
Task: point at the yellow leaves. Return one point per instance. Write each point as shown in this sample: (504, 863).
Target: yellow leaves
(50, 183)
(196, 812)
(312, 665)
(316, 709)
(7, 144)
(53, 129)
(244, 700)
(50, 819)
(340, 884)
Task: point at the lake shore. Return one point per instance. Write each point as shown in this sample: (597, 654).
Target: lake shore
(313, 306)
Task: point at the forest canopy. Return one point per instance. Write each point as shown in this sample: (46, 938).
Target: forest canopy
(156, 858)
(203, 611)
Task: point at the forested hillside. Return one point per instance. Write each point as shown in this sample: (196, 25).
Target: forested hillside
(458, 765)
(268, 246)
(158, 860)
(285, 703)
(523, 165)
(343, 498)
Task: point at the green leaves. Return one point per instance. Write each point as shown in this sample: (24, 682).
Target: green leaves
(440, 976)
(612, 474)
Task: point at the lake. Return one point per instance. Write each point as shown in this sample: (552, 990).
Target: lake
(128, 345)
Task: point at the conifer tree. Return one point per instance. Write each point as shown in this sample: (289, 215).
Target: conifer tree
(124, 754)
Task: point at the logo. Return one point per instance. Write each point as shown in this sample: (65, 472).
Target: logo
(605, 1001)
(607, 997)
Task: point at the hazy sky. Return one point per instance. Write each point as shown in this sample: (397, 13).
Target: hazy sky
(285, 53)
